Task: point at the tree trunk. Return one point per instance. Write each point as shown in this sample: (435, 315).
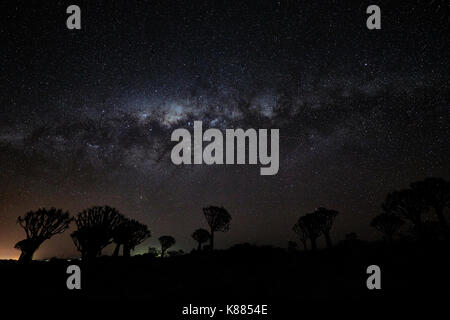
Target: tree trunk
(419, 230)
(162, 252)
(126, 251)
(313, 244)
(91, 254)
(389, 238)
(328, 240)
(305, 245)
(116, 250)
(211, 239)
(199, 246)
(28, 251)
(26, 256)
(442, 221)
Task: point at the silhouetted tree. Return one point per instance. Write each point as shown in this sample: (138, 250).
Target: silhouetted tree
(218, 219)
(166, 242)
(312, 227)
(39, 226)
(300, 230)
(95, 230)
(326, 219)
(201, 236)
(129, 233)
(436, 194)
(409, 205)
(388, 224)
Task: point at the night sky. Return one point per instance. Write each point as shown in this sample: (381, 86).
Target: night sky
(86, 115)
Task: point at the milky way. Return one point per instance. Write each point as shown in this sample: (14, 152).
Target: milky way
(86, 115)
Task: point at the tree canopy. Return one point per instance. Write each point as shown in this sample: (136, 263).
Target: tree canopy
(95, 229)
(166, 242)
(39, 226)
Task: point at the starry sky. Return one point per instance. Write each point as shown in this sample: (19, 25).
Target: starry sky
(86, 115)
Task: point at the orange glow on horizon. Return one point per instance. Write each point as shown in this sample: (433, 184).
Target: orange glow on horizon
(6, 254)
(8, 258)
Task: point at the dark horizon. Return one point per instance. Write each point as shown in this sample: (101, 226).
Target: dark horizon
(86, 115)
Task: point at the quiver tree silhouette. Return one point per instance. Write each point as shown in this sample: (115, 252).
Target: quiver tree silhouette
(166, 242)
(95, 230)
(39, 226)
(300, 230)
(436, 194)
(129, 233)
(312, 227)
(201, 236)
(409, 205)
(218, 219)
(388, 224)
(326, 219)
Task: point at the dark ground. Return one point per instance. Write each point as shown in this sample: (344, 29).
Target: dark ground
(289, 282)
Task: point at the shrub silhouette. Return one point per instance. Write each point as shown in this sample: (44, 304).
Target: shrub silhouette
(351, 236)
(129, 233)
(153, 252)
(39, 226)
(436, 194)
(218, 219)
(95, 230)
(173, 253)
(166, 242)
(325, 218)
(201, 236)
(388, 224)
